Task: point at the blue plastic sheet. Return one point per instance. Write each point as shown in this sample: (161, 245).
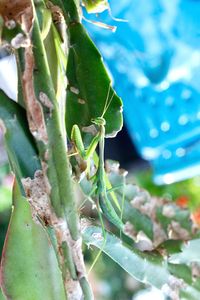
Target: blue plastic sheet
(154, 60)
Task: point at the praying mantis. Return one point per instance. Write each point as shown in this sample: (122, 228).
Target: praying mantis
(101, 191)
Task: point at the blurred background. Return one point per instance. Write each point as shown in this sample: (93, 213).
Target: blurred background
(153, 57)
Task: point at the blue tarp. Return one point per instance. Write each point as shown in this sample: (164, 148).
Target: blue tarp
(154, 60)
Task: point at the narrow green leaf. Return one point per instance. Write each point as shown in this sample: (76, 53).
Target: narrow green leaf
(89, 89)
(189, 253)
(141, 222)
(182, 216)
(180, 265)
(44, 17)
(147, 268)
(19, 142)
(171, 246)
(95, 6)
(190, 292)
(181, 271)
(29, 268)
(53, 59)
(1, 295)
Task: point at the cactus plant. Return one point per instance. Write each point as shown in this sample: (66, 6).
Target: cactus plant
(62, 82)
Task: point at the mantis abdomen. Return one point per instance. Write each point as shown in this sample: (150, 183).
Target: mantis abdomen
(109, 211)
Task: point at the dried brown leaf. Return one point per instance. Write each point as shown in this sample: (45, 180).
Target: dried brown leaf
(20, 11)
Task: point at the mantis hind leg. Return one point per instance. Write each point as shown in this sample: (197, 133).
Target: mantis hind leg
(104, 239)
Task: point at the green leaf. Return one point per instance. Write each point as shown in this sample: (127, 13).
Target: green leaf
(49, 37)
(147, 268)
(189, 253)
(191, 292)
(171, 246)
(44, 17)
(29, 268)
(1, 295)
(89, 89)
(182, 216)
(5, 198)
(53, 59)
(180, 265)
(181, 271)
(19, 142)
(141, 222)
(95, 6)
(57, 61)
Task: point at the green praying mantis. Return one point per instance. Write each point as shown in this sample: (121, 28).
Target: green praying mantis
(100, 180)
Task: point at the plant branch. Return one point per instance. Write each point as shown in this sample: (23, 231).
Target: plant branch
(45, 125)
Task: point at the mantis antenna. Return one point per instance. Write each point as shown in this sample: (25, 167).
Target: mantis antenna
(107, 102)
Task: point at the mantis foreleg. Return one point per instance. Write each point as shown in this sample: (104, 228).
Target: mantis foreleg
(78, 142)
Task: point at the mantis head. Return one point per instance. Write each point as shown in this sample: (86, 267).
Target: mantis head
(99, 121)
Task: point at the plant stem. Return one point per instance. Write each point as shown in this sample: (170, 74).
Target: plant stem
(43, 114)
